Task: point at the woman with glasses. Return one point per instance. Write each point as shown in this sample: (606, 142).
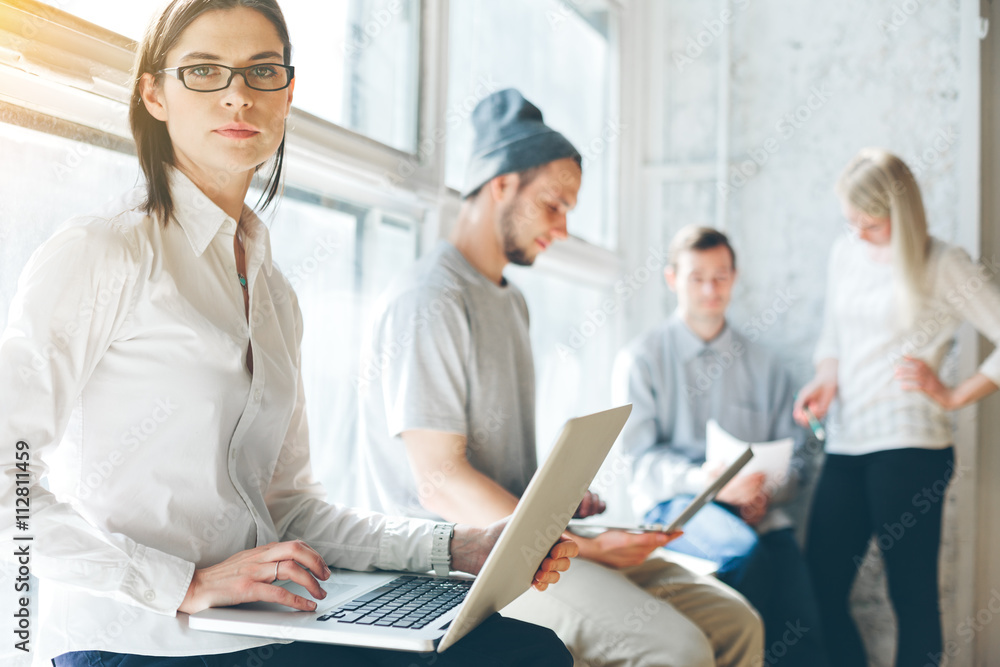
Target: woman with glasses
(895, 297)
(151, 373)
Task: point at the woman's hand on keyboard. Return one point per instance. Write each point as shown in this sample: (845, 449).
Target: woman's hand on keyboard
(249, 577)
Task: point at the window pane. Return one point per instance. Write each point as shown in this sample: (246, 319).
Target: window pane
(357, 63)
(576, 331)
(574, 339)
(47, 180)
(562, 59)
(338, 257)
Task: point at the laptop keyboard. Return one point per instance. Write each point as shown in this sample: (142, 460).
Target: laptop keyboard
(404, 602)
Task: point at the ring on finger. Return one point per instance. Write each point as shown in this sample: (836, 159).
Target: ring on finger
(276, 564)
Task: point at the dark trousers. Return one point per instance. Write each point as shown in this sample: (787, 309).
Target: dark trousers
(776, 581)
(896, 496)
(498, 641)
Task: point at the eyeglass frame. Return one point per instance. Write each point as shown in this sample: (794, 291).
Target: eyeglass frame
(178, 73)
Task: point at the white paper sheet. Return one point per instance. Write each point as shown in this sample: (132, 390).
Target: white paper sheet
(771, 458)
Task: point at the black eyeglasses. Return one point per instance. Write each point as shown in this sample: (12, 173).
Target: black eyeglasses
(208, 78)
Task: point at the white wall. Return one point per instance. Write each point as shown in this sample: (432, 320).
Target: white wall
(986, 607)
(781, 95)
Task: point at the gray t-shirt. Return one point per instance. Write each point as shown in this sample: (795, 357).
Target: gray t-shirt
(448, 351)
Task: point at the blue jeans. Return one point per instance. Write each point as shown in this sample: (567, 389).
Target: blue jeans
(714, 533)
(769, 570)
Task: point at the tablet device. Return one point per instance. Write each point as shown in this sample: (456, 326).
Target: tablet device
(586, 528)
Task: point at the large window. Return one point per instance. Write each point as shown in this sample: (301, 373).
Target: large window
(338, 257)
(377, 145)
(357, 61)
(563, 57)
(339, 233)
(45, 180)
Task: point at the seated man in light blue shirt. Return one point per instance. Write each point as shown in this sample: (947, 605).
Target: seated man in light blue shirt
(692, 368)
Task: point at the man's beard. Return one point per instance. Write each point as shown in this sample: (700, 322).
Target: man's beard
(514, 253)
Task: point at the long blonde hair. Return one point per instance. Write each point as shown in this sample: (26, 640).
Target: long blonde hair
(879, 184)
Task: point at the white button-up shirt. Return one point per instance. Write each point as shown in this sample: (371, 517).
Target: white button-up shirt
(123, 369)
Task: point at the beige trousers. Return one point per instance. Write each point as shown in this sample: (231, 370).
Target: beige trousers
(657, 614)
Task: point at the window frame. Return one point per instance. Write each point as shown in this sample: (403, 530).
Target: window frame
(56, 65)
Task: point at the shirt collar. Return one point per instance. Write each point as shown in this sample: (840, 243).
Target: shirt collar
(688, 345)
(202, 220)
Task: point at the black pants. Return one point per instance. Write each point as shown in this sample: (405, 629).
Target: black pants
(897, 496)
(776, 581)
(498, 641)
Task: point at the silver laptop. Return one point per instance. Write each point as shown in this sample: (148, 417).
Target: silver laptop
(415, 612)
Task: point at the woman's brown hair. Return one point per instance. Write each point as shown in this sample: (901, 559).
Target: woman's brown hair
(152, 143)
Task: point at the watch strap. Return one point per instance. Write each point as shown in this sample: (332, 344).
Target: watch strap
(441, 548)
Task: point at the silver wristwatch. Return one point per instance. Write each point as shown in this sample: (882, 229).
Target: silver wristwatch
(441, 549)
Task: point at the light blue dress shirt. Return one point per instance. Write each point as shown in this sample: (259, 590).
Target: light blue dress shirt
(676, 382)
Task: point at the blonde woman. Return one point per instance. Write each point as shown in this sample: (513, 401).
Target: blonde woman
(895, 297)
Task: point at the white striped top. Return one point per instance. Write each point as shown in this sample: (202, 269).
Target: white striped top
(862, 329)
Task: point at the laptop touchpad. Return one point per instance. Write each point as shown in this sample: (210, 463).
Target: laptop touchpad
(334, 592)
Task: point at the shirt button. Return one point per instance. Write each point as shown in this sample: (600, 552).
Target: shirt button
(232, 453)
(257, 394)
(149, 595)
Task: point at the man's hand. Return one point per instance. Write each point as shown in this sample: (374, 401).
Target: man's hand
(470, 546)
(747, 493)
(618, 549)
(753, 512)
(557, 561)
(589, 506)
(742, 489)
(248, 577)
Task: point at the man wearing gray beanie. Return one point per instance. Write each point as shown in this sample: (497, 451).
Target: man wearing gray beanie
(447, 394)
